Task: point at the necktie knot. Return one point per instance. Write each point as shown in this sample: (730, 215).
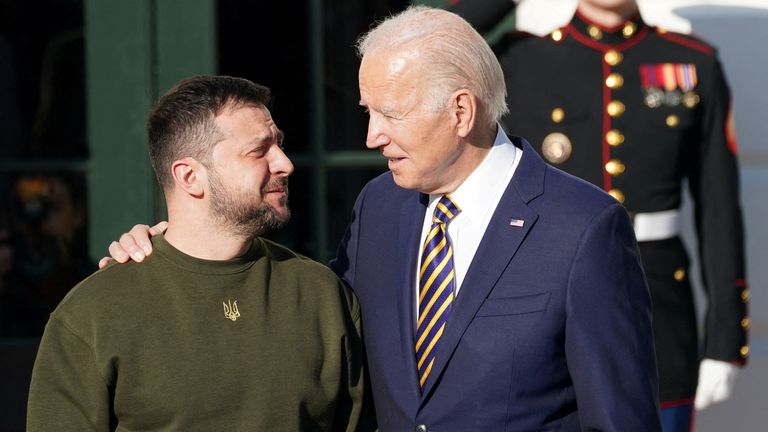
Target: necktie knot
(446, 210)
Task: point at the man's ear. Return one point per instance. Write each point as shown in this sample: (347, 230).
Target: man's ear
(189, 176)
(464, 110)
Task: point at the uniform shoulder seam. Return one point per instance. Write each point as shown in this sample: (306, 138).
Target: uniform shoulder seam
(689, 41)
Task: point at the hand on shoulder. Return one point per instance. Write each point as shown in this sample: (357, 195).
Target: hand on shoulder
(135, 244)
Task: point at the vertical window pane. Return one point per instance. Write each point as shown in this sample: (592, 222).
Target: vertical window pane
(42, 182)
(42, 146)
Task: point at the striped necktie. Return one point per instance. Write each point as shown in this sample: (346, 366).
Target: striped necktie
(436, 286)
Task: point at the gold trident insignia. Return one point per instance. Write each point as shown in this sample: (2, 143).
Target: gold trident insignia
(230, 310)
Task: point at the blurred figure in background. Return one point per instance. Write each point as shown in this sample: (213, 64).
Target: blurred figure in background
(637, 110)
(45, 250)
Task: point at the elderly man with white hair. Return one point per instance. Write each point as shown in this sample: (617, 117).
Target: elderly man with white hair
(497, 292)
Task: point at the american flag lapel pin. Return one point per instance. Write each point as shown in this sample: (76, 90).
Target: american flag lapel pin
(518, 223)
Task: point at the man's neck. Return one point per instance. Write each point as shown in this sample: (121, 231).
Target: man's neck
(477, 146)
(204, 240)
(606, 17)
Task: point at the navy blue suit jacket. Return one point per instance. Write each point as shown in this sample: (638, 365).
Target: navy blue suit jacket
(551, 329)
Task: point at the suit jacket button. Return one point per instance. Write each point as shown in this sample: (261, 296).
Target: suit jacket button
(422, 428)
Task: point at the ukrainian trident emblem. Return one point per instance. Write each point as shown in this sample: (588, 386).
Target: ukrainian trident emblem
(230, 310)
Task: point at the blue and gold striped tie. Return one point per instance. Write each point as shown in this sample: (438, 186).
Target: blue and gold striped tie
(436, 286)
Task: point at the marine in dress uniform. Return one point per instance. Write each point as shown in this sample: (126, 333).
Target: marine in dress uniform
(637, 110)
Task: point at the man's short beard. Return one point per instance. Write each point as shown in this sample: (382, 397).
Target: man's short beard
(239, 216)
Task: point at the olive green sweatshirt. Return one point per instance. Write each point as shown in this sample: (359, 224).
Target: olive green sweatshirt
(269, 341)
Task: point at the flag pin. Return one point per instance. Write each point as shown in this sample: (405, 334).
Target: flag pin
(516, 223)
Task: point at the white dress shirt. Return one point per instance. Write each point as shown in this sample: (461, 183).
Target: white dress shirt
(477, 197)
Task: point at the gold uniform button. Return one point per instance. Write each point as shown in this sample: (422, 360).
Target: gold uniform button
(629, 29)
(614, 138)
(594, 32)
(557, 35)
(679, 274)
(744, 351)
(613, 57)
(558, 115)
(617, 195)
(556, 148)
(615, 108)
(745, 295)
(614, 167)
(673, 120)
(614, 81)
(745, 323)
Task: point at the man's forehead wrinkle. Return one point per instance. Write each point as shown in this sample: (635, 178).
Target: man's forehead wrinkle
(271, 134)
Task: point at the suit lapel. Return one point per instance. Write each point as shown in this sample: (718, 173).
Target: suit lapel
(501, 240)
(411, 221)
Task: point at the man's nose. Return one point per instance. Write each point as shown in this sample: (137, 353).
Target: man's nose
(280, 163)
(376, 136)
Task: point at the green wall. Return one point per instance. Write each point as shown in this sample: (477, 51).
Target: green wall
(135, 50)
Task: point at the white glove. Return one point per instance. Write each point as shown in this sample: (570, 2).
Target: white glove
(716, 380)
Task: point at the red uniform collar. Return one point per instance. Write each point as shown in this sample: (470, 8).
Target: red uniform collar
(586, 31)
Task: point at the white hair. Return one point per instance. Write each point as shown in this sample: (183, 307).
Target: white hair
(455, 55)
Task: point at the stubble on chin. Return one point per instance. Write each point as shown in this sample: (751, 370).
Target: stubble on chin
(240, 217)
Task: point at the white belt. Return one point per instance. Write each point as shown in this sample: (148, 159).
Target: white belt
(657, 225)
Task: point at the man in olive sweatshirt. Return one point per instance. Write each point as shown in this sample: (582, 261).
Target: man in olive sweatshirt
(220, 329)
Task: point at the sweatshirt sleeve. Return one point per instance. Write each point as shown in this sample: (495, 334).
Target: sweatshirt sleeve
(67, 392)
(355, 408)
